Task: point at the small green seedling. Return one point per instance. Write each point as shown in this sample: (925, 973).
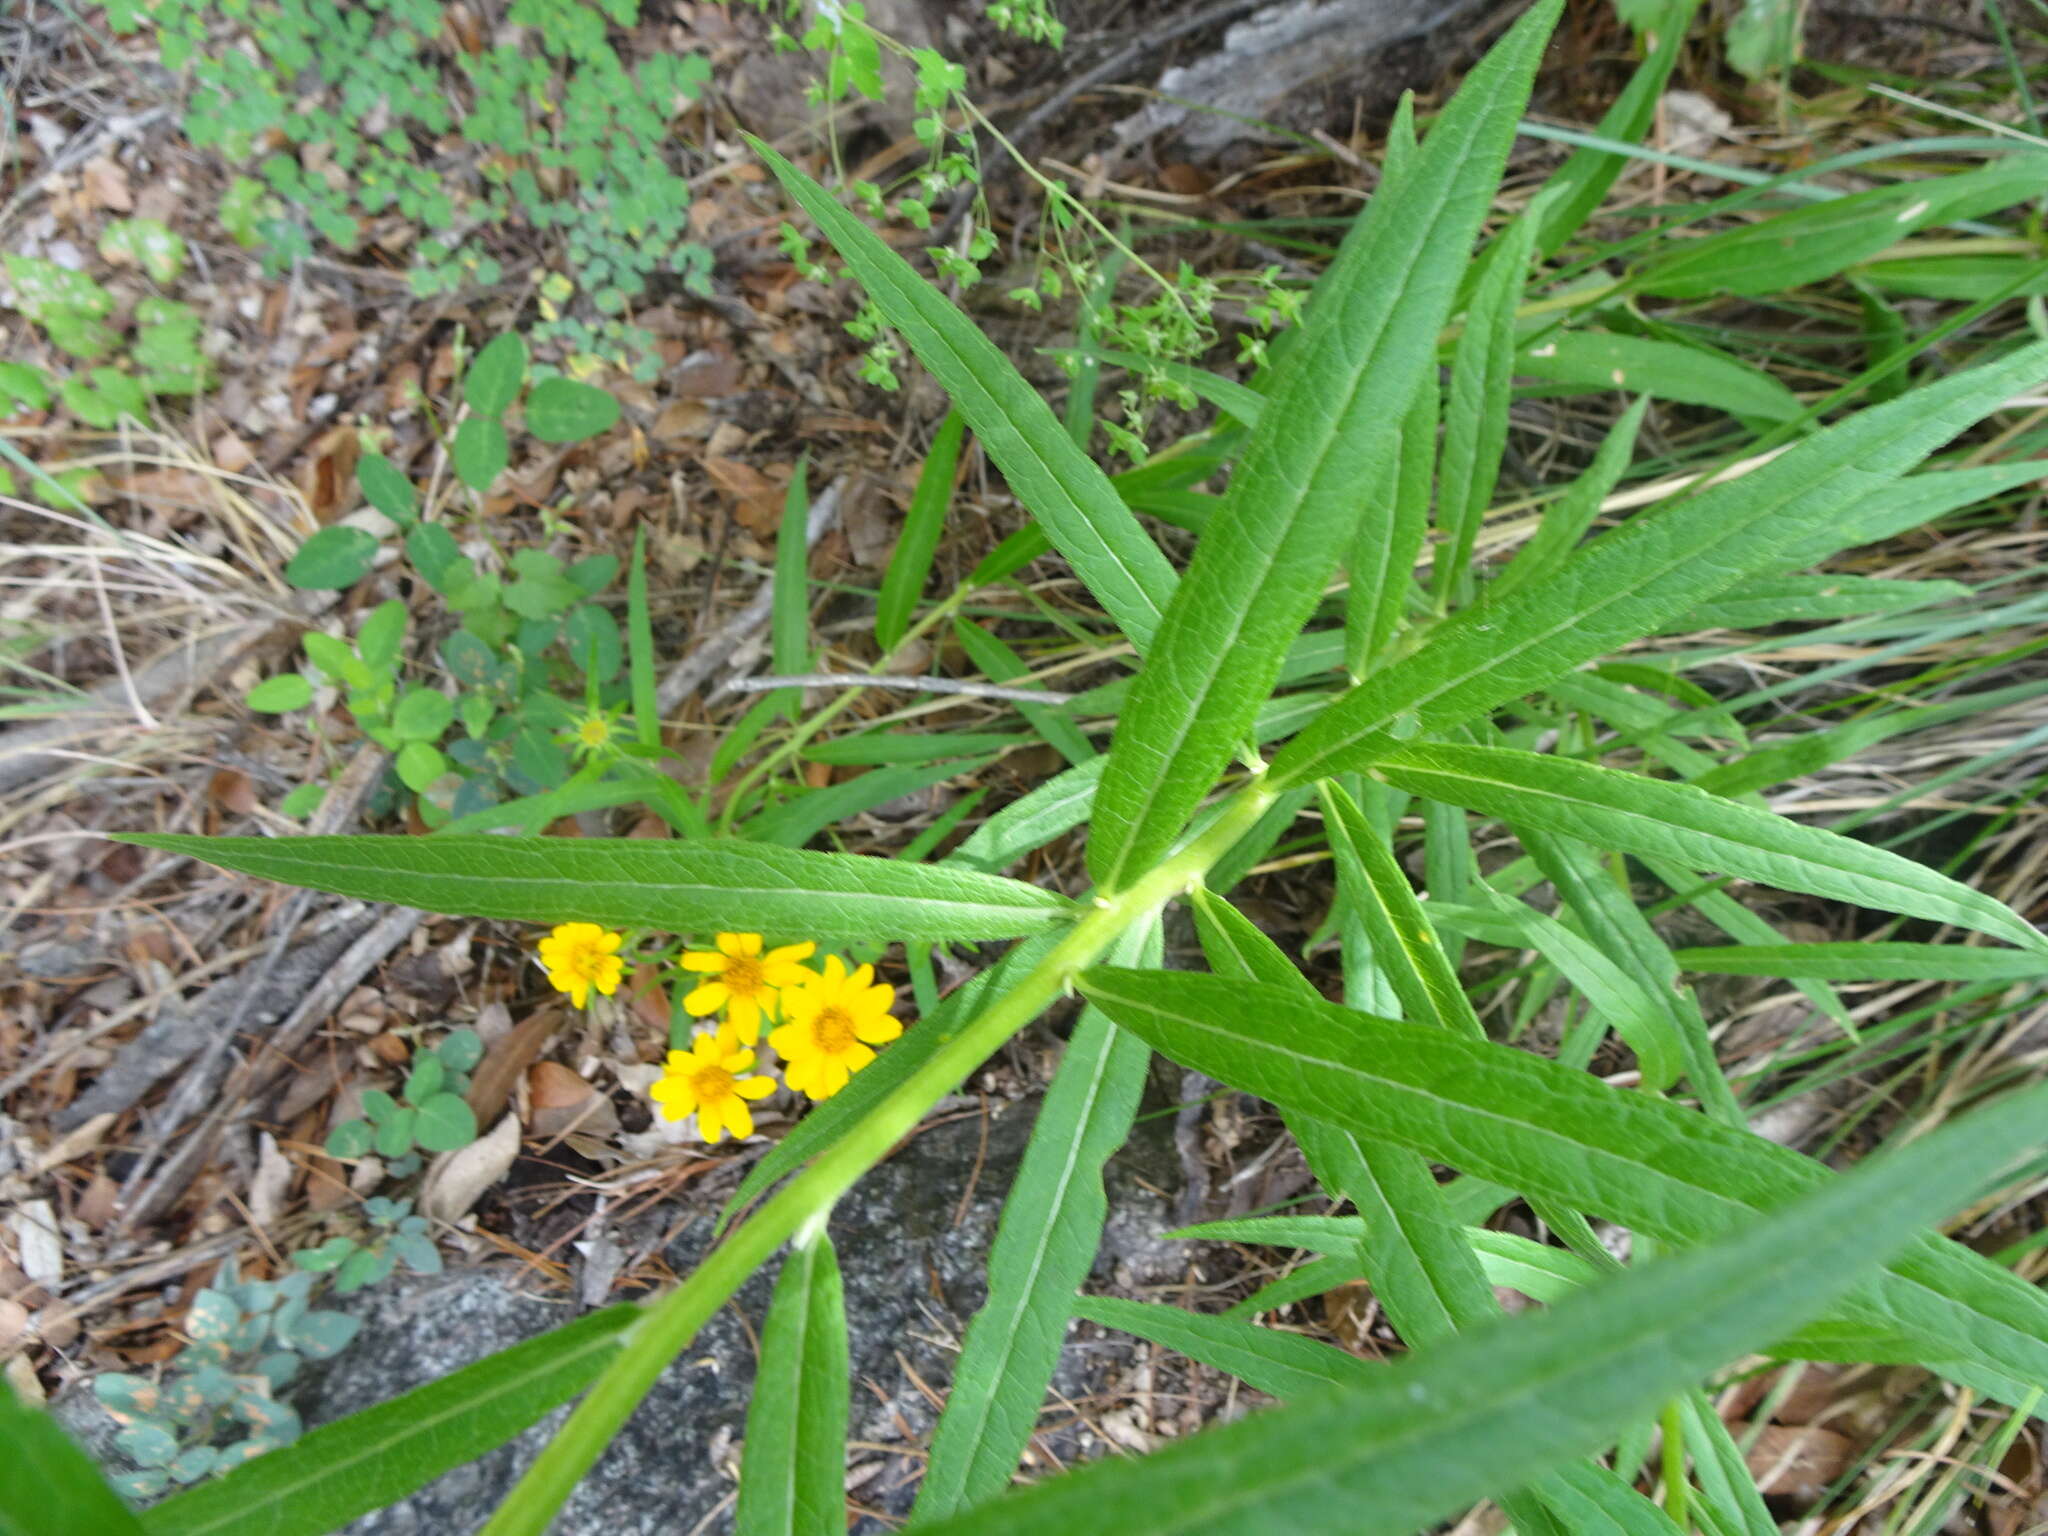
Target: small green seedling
(532, 632)
(397, 1234)
(429, 1115)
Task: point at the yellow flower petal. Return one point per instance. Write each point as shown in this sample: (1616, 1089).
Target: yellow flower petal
(745, 1017)
(754, 1088)
(877, 1031)
(707, 999)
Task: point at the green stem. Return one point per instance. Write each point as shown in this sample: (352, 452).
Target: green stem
(672, 1322)
(1674, 1464)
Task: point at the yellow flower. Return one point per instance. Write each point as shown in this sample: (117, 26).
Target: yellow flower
(711, 1080)
(833, 1019)
(580, 956)
(742, 980)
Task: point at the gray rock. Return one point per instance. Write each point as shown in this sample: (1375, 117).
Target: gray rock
(913, 1276)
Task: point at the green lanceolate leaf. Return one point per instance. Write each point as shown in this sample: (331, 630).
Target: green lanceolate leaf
(1476, 413)
(1292, 506)
(1804, 245)
(1058, 805)
(1608, 915)
(1660, 819)
(1582, 181)
(48, 1486)
(1051, 1227)
(1410, 1249)
(1063, 489)
(911, 561)
(1864, 961)
(1906, 504)
(1498, 1405)
(1613, 994)
(675, 887)
(1599, 360)
(1566, 519)
(1283, 1364)
(1563, 1136)
(1630, 582)
(793, 1473)
(369, 1459)
(1404, 944)
(1382, 560)
(1811, 600)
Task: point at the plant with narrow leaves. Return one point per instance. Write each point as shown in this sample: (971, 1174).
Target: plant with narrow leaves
(1260, 710)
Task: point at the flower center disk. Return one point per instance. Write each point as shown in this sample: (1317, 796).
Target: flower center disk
(833, 1029)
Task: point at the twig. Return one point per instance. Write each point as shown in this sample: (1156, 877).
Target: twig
(692, 670)
(901, 684)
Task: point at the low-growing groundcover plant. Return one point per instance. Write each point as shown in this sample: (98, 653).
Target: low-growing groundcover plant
(1739, 1245)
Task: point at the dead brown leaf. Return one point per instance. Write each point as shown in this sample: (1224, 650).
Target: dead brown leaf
(231, 453)
(758, 498)
(233, 790)
(106, 183)
(550, 1085)
(1797, 1461)
(506, 1059)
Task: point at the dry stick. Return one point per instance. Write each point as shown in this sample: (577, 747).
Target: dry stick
(901, 684)
(139, 1204)
(692, 670)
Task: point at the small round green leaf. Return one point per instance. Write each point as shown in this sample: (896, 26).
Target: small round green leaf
(480, 451)
(418, 1252)
(194, 1464)
(329, 1255)
(468, 659)
(564, 411)
(147, 1444)
(460, 1049)
(351, 1138)
(496, 374)
(435, 555)
(387, 489)
(277, 695)
(382, 634)
(425, 1079)
(334, 558)
(366, 1266)
(423, 715)
(213, 1316)
(394, 1136)
(444, 1123)
(592, 636)
(418, 766)
(318, 1335)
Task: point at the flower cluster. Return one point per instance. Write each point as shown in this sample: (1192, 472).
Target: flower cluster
(823, 1024)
